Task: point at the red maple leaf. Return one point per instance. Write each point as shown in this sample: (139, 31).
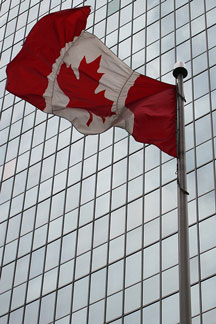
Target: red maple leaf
(81, 92)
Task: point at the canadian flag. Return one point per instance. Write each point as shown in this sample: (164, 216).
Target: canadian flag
(64, 70)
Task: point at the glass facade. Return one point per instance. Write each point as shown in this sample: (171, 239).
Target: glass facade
(88, 224)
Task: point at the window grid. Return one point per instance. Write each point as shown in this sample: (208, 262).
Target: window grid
(140, 181)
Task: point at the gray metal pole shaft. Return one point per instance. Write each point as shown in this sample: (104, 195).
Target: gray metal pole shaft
(184, 265)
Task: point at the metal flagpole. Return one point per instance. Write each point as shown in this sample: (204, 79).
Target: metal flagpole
(180, 72)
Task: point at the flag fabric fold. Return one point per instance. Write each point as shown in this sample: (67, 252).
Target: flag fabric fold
(27, 73)
(69, 72)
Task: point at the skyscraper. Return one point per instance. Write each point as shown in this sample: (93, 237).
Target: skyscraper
(88, 224)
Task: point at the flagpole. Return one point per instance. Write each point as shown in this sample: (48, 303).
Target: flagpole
(180, 72)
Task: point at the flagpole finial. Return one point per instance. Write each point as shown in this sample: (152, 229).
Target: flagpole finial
(180, 68)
